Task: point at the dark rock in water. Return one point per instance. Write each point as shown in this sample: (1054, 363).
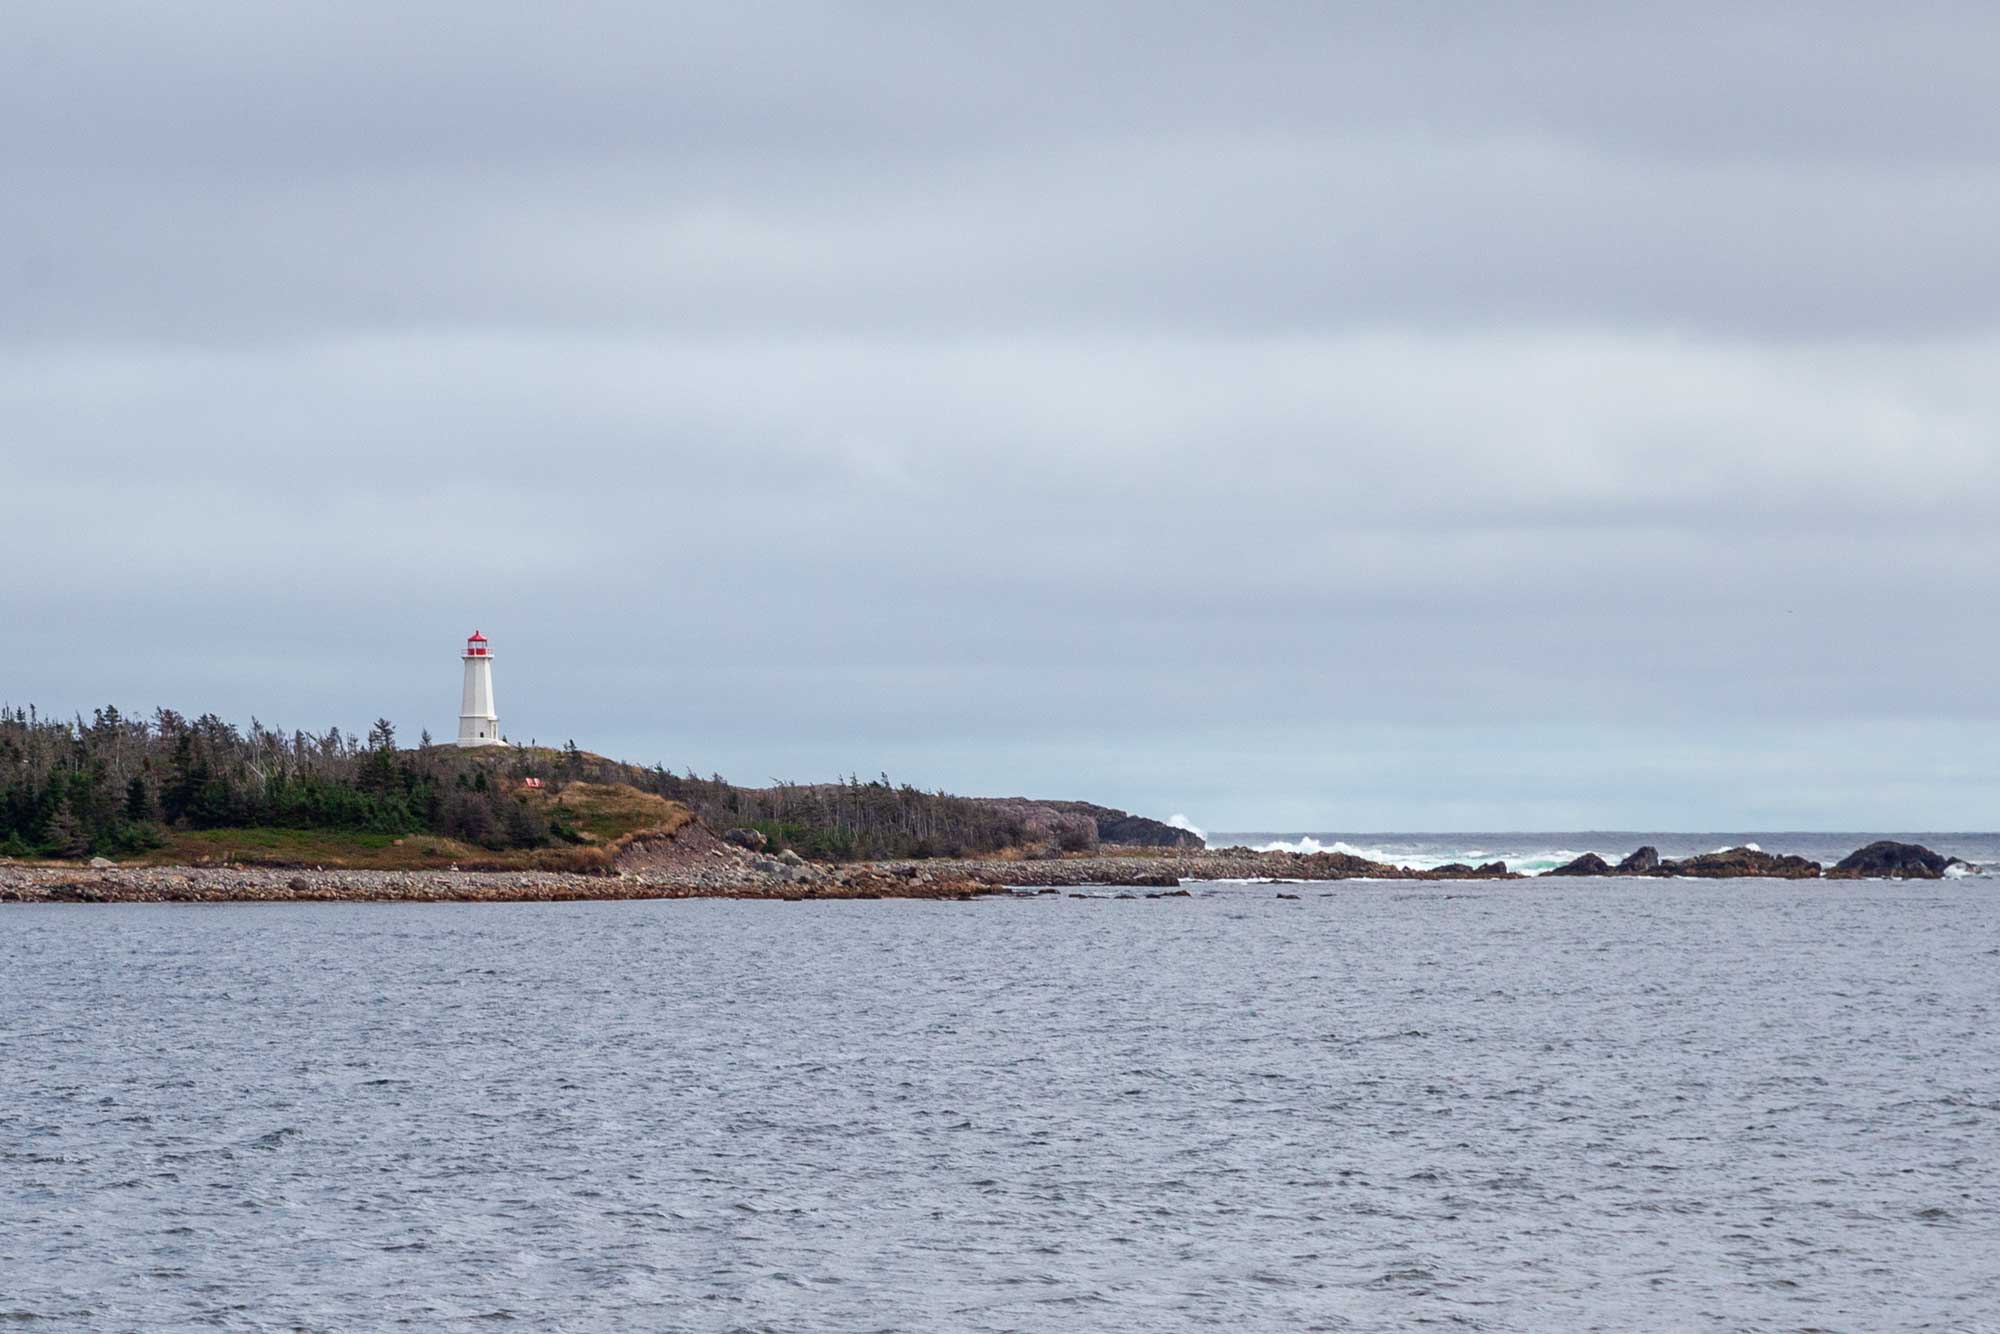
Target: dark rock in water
(1742, 864)
(1900, 861)
(1454, 868)
(752, 839)
(1177, 894)
(1492, 868)
(1588, 864)
(1288, 896)
(1162, 879)
(1639, 863)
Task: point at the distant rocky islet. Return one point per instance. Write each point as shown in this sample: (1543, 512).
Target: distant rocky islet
(1881, 860)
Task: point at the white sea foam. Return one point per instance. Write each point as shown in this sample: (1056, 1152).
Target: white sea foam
(1733, 846)
(1182, 822)
(1527, 863)
(1313, 845)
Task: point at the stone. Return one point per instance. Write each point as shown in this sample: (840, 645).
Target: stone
(790, 858)
(1288, 896)
(1645, 860)
(1588, 864)
(101, 863)
(1889, 859)
(1742, 864)
(753, 839)
(1493, 868)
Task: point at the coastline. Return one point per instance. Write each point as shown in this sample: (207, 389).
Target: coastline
(704, 868)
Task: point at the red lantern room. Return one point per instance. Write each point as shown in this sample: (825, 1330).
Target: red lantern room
(475, 647)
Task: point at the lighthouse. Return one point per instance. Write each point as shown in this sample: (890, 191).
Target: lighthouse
(478, 725)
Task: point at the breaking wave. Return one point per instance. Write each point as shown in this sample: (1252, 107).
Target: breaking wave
(1182, 822)
(1527, 863)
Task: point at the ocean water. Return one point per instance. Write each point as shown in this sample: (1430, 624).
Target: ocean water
(1536, 854)
(1527, 1105)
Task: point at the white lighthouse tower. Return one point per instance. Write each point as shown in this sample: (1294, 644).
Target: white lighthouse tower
(478, 725)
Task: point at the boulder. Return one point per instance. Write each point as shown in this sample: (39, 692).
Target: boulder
(1492, 868)
(1897, 861)
(101, 863)
(790, 858)
(752, 839)
(1588, 864)
(1645, 860)
(1743, 864)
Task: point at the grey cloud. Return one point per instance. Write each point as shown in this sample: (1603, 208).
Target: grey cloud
(1391, 415)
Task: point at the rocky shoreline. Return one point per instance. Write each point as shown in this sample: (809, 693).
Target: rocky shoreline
(1883, 860)
(695, 864)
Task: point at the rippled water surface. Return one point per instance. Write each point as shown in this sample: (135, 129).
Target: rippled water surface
(1520, 1106)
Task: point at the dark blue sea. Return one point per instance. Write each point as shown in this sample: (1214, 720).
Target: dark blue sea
(1528, 1105)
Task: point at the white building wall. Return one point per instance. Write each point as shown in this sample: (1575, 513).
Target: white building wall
(478, 724)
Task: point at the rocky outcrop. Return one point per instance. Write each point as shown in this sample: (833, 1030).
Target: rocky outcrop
(1642, 862)
(753, 839)
(1118, 829)
(1741, 864)
(1882, 860)
(1168, 867)
(1137, 831)
(1731, 864)
(1887, 859)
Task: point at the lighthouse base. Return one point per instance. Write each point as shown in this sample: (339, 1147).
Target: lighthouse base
(479, 732)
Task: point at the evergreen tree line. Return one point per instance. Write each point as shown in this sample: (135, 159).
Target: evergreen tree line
(876, 819)
(114, 784)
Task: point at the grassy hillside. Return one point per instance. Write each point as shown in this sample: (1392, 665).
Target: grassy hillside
(605, 818)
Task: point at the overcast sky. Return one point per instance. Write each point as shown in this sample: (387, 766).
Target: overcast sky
(1316, 416)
